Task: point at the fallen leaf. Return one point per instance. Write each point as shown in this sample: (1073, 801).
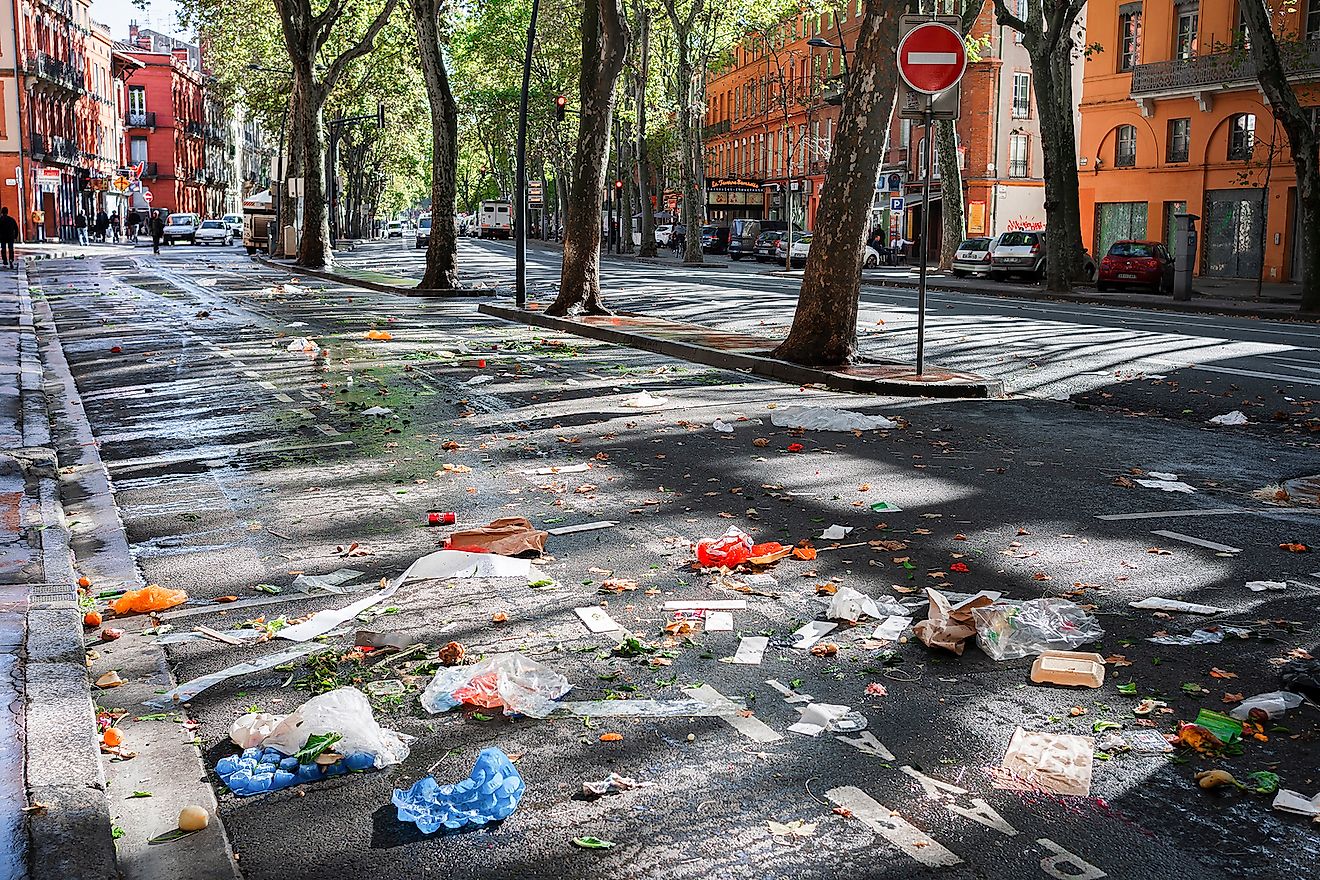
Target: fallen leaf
(1216, 672)
(824, 649)
(611, 737)
(1295, 548)
(1233, 698)
(499, 617)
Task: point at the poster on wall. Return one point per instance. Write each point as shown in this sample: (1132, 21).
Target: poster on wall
(976, 218)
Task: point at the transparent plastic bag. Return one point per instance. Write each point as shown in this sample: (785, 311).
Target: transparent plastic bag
(1009, 630)
(520, 684)
(345, 711)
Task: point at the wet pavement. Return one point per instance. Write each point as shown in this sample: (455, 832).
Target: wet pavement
(238, 459)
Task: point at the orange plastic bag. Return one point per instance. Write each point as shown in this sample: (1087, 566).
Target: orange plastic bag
(149, 598)
(732, 548)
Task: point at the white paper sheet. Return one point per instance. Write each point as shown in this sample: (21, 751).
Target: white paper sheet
(1155, 603)
(719, 621)
(892, 628)
(812, 633)
(597, 620)
(835, 532)
(750, 650)
(817, 717)
(323, 621)
(582, 527)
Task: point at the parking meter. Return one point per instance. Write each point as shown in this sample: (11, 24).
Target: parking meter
(1185, 258)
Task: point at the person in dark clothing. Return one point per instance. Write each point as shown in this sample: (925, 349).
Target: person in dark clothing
(8, 235)
(102, 225)
(157, 231)
(134, 224)
(80, 223)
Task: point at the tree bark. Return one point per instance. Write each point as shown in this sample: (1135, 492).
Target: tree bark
(1302, 140)
(643, 18)
(951, 192)
(604, 51)
(824, 330)
(442, 245)
(689, 138)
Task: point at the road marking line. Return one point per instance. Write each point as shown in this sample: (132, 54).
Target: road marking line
(751, 727)
(282, 397)
(893, 827)
(1161, 514)
(1199, 542)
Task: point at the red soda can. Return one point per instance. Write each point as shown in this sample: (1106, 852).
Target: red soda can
(437, 518)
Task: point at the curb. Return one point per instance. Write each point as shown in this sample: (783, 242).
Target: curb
(1043, 296)
(367, 284)
(73, 838)
(765, 367)
(70, 835)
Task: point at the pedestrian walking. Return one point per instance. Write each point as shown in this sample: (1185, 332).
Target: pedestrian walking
(134, 225)
(80, 223)
(115, 223)
(157, 224)
(8, 235)
(102, 225)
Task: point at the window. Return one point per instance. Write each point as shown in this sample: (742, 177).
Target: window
(137, 100)
(1243, 32)
(1313, 19)
(1018, 150)
(1021, 95)
(1125, 147)
(1022, 14)
(137, 150)
(1241, 136)
(921, 161)
(1184, 34)
(1129, 36)
(1180, 138)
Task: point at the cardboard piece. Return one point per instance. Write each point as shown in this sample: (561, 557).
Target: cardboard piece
(1039, 761)
(750, 650)
(1293, 802)
(507, 536)
(949, 626)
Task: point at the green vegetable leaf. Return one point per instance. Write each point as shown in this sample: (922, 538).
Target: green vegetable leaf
(316, 746)
(1130, 688)
(139, 794)
(592, 843)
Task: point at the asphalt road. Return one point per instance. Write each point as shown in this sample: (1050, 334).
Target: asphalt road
(236, 462)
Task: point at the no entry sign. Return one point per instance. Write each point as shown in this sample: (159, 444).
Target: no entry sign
(932, 57)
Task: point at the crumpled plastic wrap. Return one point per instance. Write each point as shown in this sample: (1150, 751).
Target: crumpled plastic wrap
(823, 418)
(149, 598)
(520, 684)
(490, 793)
(1008, 630)
(345, 711)
(732, 548)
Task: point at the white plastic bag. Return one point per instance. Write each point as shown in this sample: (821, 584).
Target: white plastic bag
(823, 418)
(345, 711)
(520, 684)
(1008, 630)
(250, 730)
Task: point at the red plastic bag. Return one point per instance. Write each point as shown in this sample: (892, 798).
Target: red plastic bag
(734, 547)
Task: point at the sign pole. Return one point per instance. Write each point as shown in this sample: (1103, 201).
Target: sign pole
(925, 234)
(520, 175)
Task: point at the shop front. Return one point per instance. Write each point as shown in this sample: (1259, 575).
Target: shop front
(731, 199)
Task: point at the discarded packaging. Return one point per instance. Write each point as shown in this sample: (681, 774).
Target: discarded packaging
(732, 548)
(149, 598)
(1262, 586)
(322, 622)
(1036, 760)
(718, 621)
(335, 582)
(1272, 705)
(947, 625)
(490, 793)
(597, 619)
(722, 426)
(1155, 603)
(343, 711)
(817, 718)
(508, 536)
(258, 771)
(1294, 802)
(612, 784)
(519, 684)
(750, 650)
(441, 518)
(822, 418)
(849, 604)
(458, 564)
(1008, 630)
(1200, 636)
(190, 689)
(1173, 484)
(1232, 419)
(812, 633)
(1072, 668)
(835, 533)
(891, 629)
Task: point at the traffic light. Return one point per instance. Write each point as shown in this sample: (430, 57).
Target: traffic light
(561, 104)
(618, 186)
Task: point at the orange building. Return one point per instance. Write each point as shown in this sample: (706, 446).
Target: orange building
(1173, 120)
(772, 111)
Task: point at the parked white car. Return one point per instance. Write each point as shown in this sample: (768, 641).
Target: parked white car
(1018, 253)
(801, 247)
(181, 227)
(214, 232)
(235, 224)
(664, 235)
(973, 256)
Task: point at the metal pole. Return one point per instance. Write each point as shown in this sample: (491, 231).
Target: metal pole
(925, 235)
(277, 240)
(520, 175)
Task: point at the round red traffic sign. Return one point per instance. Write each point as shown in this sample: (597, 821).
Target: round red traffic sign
(146, 194)
(932, 57)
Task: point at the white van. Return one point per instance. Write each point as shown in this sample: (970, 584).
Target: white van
(495, 219)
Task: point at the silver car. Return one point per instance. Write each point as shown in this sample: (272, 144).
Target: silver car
(214, 232)
(973, 257)
(1018, 253)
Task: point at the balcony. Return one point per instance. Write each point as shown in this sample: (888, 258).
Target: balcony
(715, 129)
(150, 170)
(196, 129)
(54, 148)
(1203, 75)
(67, 75)
(141, 119)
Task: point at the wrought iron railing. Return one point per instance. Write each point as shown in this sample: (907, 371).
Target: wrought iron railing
(1221, 68)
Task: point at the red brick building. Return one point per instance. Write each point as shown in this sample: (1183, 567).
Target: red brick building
(770, 125)
(165, 129)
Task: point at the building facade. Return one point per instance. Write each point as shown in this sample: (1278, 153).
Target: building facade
(771, 116)
(1174, 121)
(165, 130)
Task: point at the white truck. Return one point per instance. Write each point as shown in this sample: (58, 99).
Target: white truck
(495, 219)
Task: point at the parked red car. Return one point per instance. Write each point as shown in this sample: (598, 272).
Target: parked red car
(1136, 264)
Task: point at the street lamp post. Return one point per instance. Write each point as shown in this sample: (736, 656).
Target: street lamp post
(520, 175)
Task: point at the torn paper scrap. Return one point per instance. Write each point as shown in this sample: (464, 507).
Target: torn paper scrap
(323, 621)
(583, 527)
(1036, 761)
(749, 726)
(892, 628)
(597, 619)
(612, 784)
(1155, 603)
(1167, 486)
(1262, 586)
(719, 621)
(812, 633)
(823, 418)
(817, 718)
(190, 689)
(1293, 802)
(835, 532)
(750, 650)
(1233, 419)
